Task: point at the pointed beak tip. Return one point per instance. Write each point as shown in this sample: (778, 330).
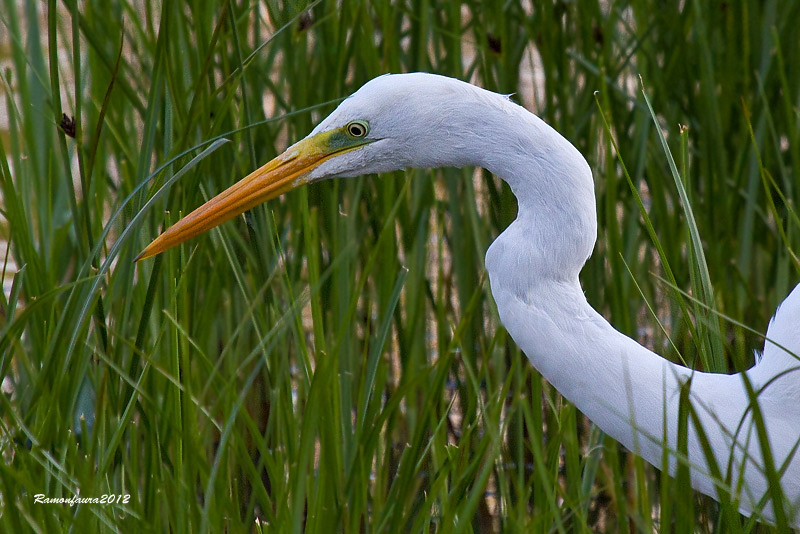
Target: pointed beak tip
(143, 255)
(284, 173)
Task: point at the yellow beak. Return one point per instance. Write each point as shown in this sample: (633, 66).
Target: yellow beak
(284, 173)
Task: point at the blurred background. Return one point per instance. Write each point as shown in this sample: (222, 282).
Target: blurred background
(333, 360)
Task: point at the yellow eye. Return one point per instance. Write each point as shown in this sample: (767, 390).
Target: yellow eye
(357, 129)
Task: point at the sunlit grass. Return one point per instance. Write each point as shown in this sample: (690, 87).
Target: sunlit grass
(333, 361)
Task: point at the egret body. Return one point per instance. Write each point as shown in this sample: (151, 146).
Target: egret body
(423, 120)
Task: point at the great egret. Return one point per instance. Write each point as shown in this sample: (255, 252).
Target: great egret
(424, 120)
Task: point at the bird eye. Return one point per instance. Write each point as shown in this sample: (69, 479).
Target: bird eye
(357, 129)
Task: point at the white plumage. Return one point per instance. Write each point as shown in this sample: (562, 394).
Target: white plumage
(425, 120)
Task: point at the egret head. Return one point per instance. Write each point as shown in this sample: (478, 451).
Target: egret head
(393, 122)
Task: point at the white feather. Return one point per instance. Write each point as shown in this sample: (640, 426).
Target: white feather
(632, 394)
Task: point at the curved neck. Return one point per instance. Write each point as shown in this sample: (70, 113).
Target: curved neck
(554, 189)
(540, 299)
(630, 392)
(612, 379)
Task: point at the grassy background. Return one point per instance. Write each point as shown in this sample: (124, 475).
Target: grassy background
(333, 361)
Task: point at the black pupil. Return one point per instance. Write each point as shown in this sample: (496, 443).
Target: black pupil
(356, 130)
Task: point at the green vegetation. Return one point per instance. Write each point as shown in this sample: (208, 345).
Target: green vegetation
(333, 361)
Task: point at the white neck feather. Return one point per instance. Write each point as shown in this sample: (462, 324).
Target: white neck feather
(631, 393)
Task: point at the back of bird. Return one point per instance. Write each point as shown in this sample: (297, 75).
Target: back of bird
(776, 379)
(779, 366)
